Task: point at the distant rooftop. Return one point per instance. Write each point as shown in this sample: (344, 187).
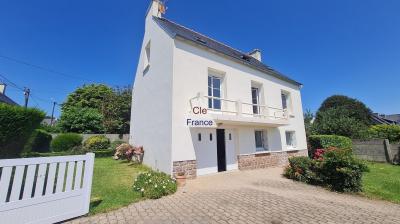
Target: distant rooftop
(6, 99)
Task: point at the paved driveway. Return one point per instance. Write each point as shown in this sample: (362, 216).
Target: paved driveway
(259, 196)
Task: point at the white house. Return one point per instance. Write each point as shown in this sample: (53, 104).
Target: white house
(201, 107)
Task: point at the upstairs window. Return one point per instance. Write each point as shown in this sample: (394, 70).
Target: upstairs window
(285, 100)
(255, 99)
(290, 139)
(214, 92)
(146, 58)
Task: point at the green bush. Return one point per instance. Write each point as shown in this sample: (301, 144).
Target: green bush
(97, 142)
(340, 171)
(38, 142)
(336, 169)
(384, 131)
(115, 144)
(302, 169)
(66, 142)
(16, 125)
(326, 141)
(50, 129)
(154, 184)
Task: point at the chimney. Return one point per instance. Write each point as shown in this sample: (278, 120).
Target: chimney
(256, 53)
(3, 88)
(156, 8)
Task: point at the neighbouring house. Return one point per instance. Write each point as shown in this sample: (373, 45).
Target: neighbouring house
(50, 121)
(385, 119)
(201, 107)
(3, 97)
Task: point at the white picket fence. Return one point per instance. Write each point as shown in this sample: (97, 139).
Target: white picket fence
(45, 189)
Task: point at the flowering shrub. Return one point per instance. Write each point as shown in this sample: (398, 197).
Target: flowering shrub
(128, 152)
(332, 167)
(318, 153)
(302, 169)
(154, 184)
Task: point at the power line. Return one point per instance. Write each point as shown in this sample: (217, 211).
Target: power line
(26, 91)
(11, 83)
(46, 69)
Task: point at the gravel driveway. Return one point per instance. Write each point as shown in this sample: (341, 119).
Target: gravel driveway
(258, 196)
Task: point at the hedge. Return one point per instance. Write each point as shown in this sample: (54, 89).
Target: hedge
(326, 141)
(391, 132)
(38, 142)
(16, 125)
(66, 142)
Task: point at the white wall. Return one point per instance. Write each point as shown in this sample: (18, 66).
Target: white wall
(190, 71)
(152, 99)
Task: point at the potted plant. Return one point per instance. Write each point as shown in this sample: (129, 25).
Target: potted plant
(180, 179)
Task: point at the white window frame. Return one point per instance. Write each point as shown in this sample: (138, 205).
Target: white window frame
(293, 143)
(256, 105)
(264, 141)
(211, 97)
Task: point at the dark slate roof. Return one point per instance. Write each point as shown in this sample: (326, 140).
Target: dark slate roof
(6, 99)
(188, 34)
(380, 120)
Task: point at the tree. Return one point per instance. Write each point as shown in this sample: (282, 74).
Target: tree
(81, 120)
(117, 110)
(308, 119)
(91, 96)
(114, 106)
(335, 121)
(351, 107)
(341, 115)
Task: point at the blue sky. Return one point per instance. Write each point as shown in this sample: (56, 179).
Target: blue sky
(333, 47)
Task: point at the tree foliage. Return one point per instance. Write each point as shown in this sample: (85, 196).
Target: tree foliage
(114, 106)
(81, 120)
(341, 115)
(308, 119)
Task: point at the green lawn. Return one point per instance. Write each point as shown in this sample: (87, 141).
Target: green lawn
(383, 182)
(112, 183)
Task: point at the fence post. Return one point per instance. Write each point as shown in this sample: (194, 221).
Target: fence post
(89, 164)
(388, 151)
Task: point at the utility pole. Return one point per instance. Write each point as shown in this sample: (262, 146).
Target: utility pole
(27, 92)
(52, 113)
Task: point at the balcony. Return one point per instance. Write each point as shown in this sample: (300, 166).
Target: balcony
(227, 111)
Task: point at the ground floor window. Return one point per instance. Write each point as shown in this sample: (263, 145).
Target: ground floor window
(261, 140)
(290, 139)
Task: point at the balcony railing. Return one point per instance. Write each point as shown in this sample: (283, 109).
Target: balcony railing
(238, 108)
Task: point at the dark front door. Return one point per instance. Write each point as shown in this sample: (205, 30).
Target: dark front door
(221, 154)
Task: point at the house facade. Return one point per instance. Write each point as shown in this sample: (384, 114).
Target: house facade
(202, 107)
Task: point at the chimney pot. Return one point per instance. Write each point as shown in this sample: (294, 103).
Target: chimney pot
(3, 88)
(256, 53)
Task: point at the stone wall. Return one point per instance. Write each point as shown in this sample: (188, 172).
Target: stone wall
(378, 150)
(112, 137)
(188, 167)
(267, 159)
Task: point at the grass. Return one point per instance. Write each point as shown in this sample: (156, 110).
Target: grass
(382, 182)
(112, 184)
